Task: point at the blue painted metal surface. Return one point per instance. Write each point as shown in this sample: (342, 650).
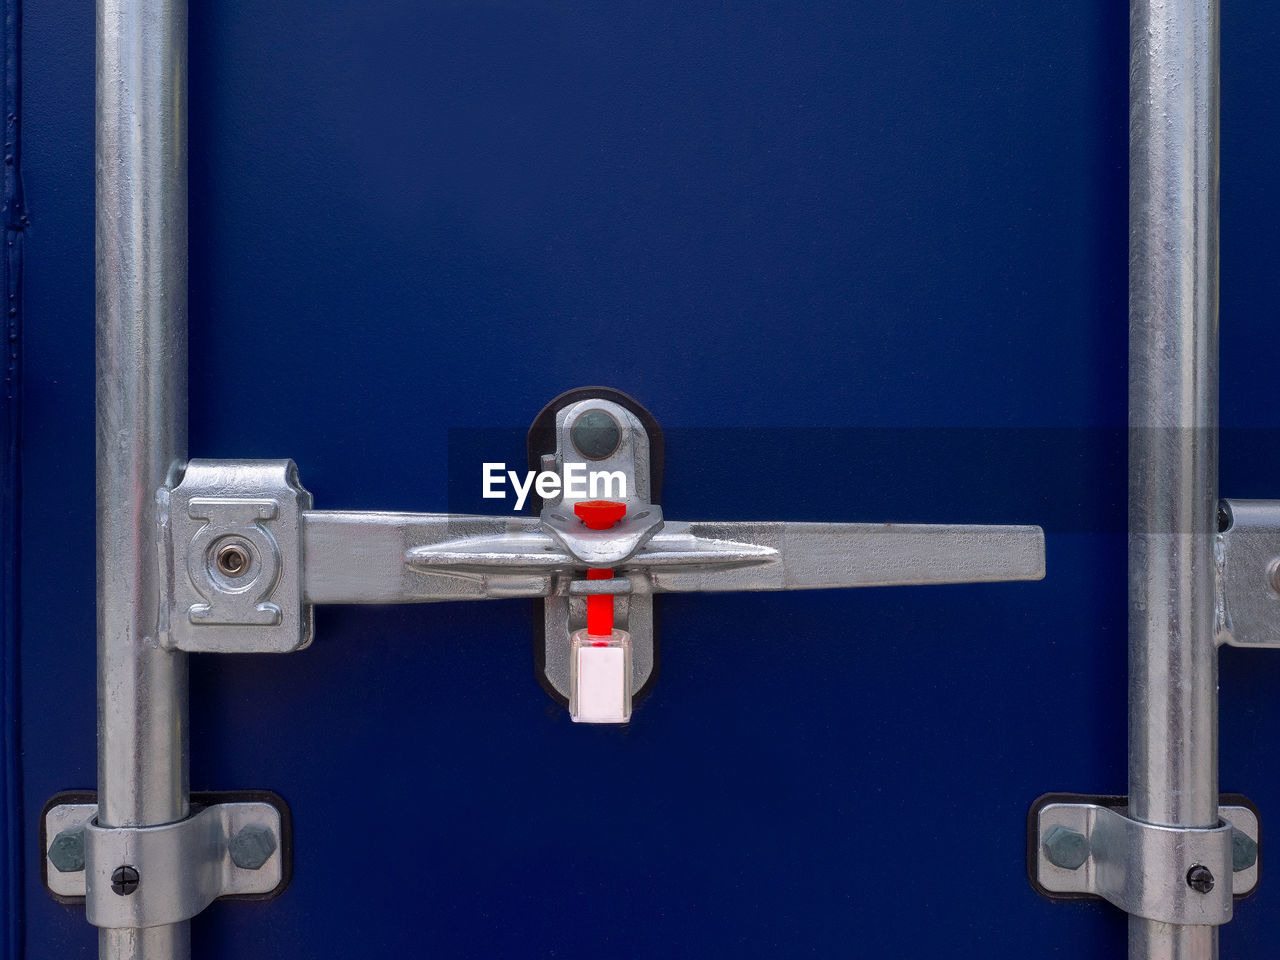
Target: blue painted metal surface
(904, 221)
(12, 829)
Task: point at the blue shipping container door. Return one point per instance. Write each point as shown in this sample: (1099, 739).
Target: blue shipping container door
(862, 262)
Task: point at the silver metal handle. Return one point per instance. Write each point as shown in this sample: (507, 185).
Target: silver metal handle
(406, 558)
(318, 556)
(249, 558)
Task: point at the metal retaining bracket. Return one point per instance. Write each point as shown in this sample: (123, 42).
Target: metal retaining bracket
(232, 576)
(1088, 847)
(1247, 559)
(151, 876)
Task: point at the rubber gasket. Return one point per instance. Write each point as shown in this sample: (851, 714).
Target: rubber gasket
(202, 798)
(542, 439)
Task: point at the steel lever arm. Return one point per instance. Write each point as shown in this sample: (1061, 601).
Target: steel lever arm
(360, 557)
(406, 557)
(809, 556)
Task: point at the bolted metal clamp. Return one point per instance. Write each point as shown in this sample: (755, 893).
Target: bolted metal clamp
(1089, 847)
(150, 876)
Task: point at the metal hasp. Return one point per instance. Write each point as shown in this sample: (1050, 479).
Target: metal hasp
(655, 555)
(287, 557)
(1091, 847)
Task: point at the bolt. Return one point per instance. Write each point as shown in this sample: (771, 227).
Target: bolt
(595, 434)
(232, 560)
(124, 880)
(1065, 847)
(252, 847)
(66, 853)
(1200, 879)
(1244, 851)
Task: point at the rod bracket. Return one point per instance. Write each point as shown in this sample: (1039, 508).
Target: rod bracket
(1246, 554)
(232, 846)
(1087, 847)
(232, 533)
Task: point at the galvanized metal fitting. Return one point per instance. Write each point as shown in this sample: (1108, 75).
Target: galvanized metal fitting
(66, 852)
(1247, 556)
(252, 846)
(1090, 847)
(149, 876)
(1244, 851)
(234, 531)
(1200, 879)
(124, 880)
(1065, 847)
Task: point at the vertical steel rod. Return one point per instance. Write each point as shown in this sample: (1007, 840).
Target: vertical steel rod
(1173, 418)
(141, 267)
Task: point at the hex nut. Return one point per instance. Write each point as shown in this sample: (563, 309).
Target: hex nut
(66, 852)
(252, 847)
(1244, 851)
(1065, 847)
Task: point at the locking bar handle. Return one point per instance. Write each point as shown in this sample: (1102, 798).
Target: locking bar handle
(712, 556)
(371, 557)
(248, 558)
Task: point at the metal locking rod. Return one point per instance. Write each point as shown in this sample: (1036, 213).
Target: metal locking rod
(1200, 571)
(141, 295)
(1173, 465)
(1173, 420)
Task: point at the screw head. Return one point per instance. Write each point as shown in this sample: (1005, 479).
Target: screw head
(124, 880)
(1225, 518)
(595, 434)
(1065, 847)
(252, 847)
(232, 560)
(1200, 879)
(66, 852)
